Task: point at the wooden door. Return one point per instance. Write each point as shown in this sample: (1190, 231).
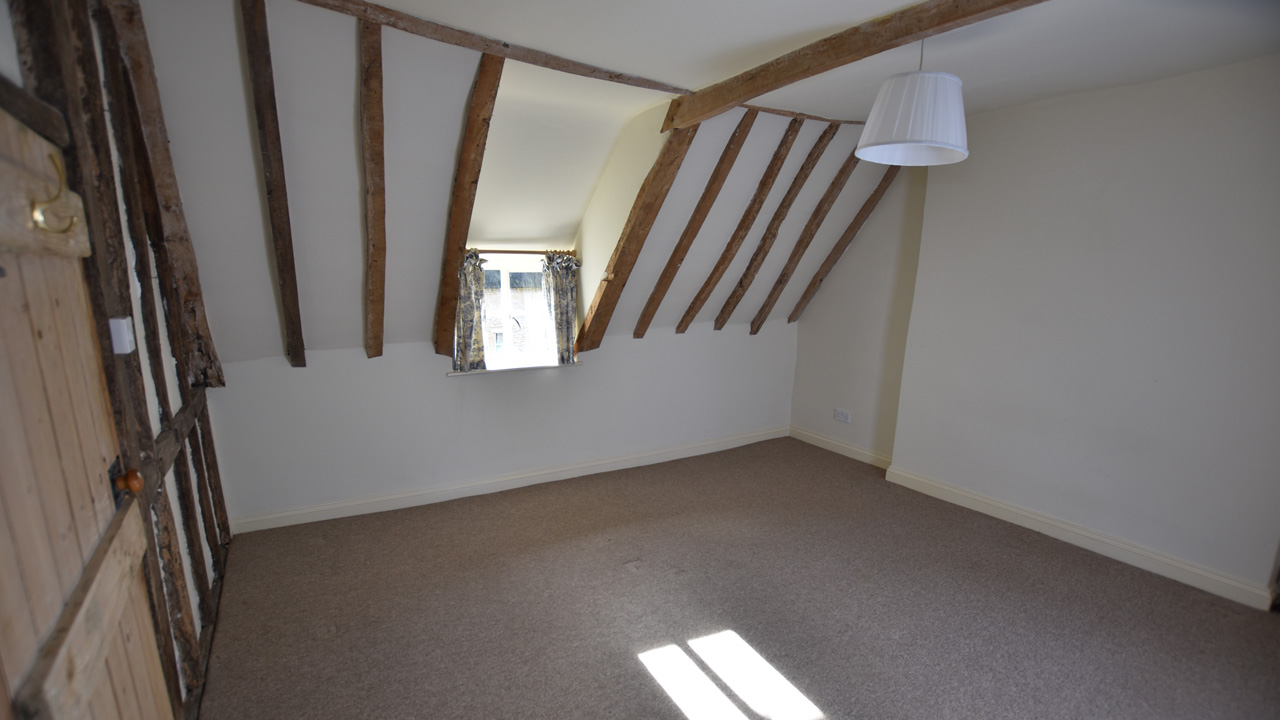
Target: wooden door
(76, 631)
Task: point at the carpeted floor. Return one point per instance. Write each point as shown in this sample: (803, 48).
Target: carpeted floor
(873, 600)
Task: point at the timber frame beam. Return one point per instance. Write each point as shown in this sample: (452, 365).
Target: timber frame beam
(806, 237)
(649, 200)
(709, 195)
(917, 22)
(744, 225)
(775, 224)
(466, 178)
(372, 13)
(375, 186)
(843, 243)
(202, 359)
(262, 79)
(34, 113)
(61, 61)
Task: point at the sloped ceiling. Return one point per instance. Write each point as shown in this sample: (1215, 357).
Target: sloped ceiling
(549, 139)
(1057, 47)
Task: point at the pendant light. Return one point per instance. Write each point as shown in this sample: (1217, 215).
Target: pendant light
(917, 119)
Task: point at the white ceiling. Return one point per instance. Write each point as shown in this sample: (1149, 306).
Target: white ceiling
(1057, 47)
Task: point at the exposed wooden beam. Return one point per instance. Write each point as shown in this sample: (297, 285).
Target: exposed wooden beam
(215, 475)
(170, 440)
(370, 12)
(184, 484)
(191, 709)
(208, 520)
(165, 574)
(175, 595)
(801, 115)
(771, 232)
(262, 80)
(744, 225)
(806, 237)
(135, 187)
(375, 186)
(903, 27)
(709, 195)
(843, 243)
(142, 215)
(59, 64)
(653, 192)
(34, 113)
(466, 178)
(203, 361)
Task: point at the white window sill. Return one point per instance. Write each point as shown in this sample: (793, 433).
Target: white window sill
(457, 373)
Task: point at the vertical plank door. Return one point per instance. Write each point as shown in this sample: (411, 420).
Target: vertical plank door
(77, 637)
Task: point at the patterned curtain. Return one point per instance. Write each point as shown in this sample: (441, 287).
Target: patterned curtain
(560, 286)
(468, 330)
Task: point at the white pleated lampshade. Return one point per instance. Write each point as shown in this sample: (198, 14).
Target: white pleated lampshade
(918, 119)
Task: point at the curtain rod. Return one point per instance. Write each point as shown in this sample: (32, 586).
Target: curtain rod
(523, 252)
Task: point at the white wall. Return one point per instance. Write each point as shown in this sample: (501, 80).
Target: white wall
(853, 335)
(1094, 333)
(346, 428)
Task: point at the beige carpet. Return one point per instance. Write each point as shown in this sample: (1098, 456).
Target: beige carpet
(873, 600)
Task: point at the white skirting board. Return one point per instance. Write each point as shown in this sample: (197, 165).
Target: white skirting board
(1256, 596)
(380, 503)
(835, 446)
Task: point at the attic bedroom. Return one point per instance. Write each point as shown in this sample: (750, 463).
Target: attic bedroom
(697, 359)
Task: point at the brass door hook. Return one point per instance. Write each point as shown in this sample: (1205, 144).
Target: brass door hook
(39, 206)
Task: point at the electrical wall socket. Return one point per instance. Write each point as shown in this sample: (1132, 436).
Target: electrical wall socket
(842, 415)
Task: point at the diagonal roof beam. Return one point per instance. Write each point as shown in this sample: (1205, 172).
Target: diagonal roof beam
(744, 225)
(806, 237)
(771, 232)
(649, 200)
(709, 195)
(843, 243)
(466, 178)
(903, 27)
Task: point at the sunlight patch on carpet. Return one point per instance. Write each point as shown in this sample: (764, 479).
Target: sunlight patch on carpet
(760, 686)
(693, 692)
(740, 667)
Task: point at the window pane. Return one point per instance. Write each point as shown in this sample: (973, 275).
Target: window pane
(526, 280)
(492, 279)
